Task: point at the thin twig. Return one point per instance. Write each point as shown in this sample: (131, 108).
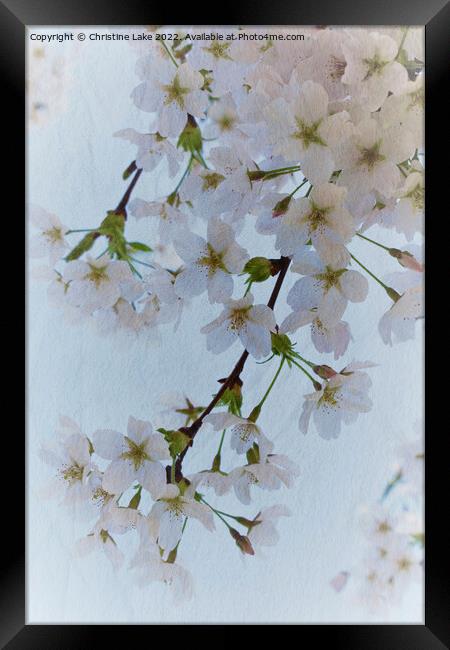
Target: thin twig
(233, 376)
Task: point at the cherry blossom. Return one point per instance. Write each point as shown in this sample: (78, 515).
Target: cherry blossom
(50, 240)
(209, 264)
(251, 324)
(369, 158)
(172, 93)
(167, 515)
(135, 457)
(321, 218)
(265, 533)
(273, 471)
(95, 283)
(244, 432)
(302, 130)
(69, 456)
(340, 400)
(325, 288)
(371, 68)
(152, 149)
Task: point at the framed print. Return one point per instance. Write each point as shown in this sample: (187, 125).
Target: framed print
(225, 332)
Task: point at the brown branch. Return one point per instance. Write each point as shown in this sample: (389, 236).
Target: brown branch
(192, 430)
(126, 197)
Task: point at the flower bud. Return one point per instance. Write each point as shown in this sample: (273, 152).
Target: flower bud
(406, 259)
(324, 371)
(281, 207)
(242, 541)
(258, 268)
(190, 138)
(256, 175)
(129, 170)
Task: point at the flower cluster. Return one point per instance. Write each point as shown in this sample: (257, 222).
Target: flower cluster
(310, 142)
(394, 537)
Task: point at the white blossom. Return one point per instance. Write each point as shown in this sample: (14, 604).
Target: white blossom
(244, 432)
(340, 400)
(371, 70)
(167, 515)
(69, 456)
(134, 457)
(152, 149)
(251, 324)
(321, 218)
(172, 93)
(270, 473)
(95, 283)
(50, 239)
(209, 264)
(265, 532)
(303, 131)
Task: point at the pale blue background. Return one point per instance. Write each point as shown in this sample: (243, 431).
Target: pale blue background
(74, 170)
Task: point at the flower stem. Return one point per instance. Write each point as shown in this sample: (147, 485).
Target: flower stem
(266, 394)
(386, 248)
(186, 172)
(298, 187)
(141, 262)
(218, 513)
(401, 43)
(314, 381)
(172, 58)
(69, 232)
(385, 287)
(221, 442)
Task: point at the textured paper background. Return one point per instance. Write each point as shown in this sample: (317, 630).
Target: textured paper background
(74, 170)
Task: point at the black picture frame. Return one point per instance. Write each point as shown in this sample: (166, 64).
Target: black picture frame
(15, 15)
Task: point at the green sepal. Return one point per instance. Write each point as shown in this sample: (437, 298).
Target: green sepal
(259, 269)
(253, 455)
(254, 415)
(136, 499)
(282, 345)
(139, 246)
(248, 523)
(172, 556)
(82, 247)
(177, 441)
(282, 206)
(233, 399)
(216, 463)
(190, 138)
(393, 294)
